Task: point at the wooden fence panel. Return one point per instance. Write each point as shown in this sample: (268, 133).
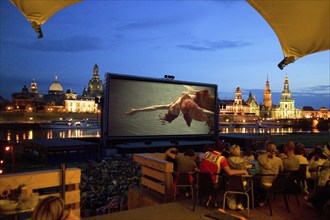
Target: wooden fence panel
(156, 173)
(41, 180)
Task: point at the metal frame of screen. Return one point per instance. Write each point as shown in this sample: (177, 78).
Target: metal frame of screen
(118, 93)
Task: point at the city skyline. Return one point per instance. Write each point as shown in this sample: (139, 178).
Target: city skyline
(223, 42)
(245, 94)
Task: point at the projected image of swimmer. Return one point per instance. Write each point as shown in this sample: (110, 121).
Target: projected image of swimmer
(192, 104)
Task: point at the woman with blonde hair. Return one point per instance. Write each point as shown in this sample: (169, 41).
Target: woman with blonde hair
(52, 208)
(269, 163)
(235, 161)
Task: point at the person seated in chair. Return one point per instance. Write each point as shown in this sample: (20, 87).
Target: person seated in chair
(213, 162)
(300, 154)
(322, 192)
(52, 208)
(236, 162)
(290, 161)
(271, 165)
(317, 160)
(184, 163)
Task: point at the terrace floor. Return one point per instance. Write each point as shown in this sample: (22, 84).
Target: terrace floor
(182, 209)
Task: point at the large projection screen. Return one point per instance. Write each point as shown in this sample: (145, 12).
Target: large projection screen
(140, 107)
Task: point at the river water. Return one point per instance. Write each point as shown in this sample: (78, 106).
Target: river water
(17, 135)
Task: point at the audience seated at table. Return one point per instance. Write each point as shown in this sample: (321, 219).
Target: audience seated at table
(269, 163)
(248, 156)
(290, 162)
(235, 161)
(316, 160)
(213, 162)
(300, 154)
(321, 195)
(184, 163)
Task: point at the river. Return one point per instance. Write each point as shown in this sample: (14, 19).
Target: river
(19, 134)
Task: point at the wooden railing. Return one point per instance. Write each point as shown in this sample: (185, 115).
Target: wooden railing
(47, 183)
(156, 173)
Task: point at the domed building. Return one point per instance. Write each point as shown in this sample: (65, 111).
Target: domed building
(95, 87)
(54, 100)
(55, 88)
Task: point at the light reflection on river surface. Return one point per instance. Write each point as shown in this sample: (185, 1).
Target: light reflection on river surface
(18, 135)
(256, 130)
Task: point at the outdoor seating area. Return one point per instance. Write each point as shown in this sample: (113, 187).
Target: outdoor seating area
(279, 201)
(149, 182)
(181, 209)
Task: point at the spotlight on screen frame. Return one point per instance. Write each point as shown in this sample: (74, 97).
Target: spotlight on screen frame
(169, 77)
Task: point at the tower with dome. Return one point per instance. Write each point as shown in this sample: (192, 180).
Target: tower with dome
(95, 87)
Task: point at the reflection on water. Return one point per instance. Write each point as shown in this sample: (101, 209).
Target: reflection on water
(19, 135)
(256, 130)
(28, 134)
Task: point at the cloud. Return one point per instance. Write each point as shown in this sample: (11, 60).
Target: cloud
(142, 24)
(72, 44)
(213, 45)
(312, 90)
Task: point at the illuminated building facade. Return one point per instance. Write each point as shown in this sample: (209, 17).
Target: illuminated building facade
(238, 109)
(286, 109)
(28, 100)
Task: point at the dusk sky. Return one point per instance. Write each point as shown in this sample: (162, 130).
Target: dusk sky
(221, 42)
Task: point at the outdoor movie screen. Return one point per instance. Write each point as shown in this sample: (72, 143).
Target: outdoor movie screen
(148, 107)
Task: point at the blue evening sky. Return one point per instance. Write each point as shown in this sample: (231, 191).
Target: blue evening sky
(222, 42)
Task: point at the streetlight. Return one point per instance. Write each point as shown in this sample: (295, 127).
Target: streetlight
(10, 148)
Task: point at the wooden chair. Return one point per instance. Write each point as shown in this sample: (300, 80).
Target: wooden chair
(235, 185)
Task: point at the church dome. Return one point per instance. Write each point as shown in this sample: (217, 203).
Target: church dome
(95, 86)
(55, 87)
